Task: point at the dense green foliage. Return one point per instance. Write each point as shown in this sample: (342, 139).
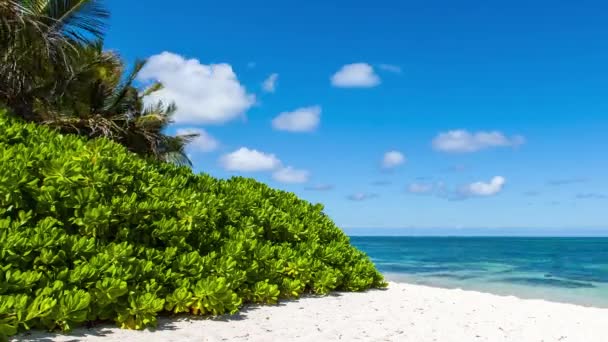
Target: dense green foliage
(90, 231)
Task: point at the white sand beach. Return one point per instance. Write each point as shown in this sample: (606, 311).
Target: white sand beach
(402, 312)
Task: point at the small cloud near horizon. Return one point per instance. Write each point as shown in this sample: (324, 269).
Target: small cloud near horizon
(249, 160)
(462, 141)
(361, 196)
(291, 175)
(484, 189)
(356, 75)
(471, 190)
(393, 159)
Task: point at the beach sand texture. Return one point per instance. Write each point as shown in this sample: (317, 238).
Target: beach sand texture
(403, 312)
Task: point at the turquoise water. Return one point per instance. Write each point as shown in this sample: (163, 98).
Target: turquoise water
(572, 270)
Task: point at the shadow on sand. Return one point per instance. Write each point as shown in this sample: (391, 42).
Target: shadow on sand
(165, 323)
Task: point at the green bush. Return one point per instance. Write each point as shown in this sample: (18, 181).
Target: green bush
(89, 231)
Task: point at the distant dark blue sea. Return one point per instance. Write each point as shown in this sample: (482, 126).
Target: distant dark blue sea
(572, 270)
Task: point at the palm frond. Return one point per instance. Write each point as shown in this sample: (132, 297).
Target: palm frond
(93, 127)
(122, 92)
(40, 40)
(55, 72)
(152, 89)
(175, 150)
(79, 20)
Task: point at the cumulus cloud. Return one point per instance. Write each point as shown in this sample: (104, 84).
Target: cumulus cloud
(305, 119)
(320, 187)
(441, 190)
(270, 84)
(203, 142)
(390, 68)
(392, 159)
(203, 93)
(462, 141)
(491, 188)
(356, 75)
(361, 196)
(247, 160)
(291, 175)
(420, 188)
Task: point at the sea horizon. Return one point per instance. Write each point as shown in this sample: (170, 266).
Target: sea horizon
(478, 232)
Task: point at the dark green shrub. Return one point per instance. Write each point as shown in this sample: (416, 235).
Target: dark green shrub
(89, 231)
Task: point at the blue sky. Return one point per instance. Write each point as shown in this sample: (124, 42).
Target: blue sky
(496, 113)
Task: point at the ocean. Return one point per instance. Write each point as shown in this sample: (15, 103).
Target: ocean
(570, 270)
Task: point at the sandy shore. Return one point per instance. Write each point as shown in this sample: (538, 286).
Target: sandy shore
(403, 312)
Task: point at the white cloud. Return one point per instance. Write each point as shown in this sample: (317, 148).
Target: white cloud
(420, 188)
(270, 84)
(486, 189)
(441, 190)
(204, 142)
(357, 75)
(392, 159)
(247, 160)
(361, 196)
(203, 93)
(300, 120)
(464, 141)
(390, 68)
(291, 175)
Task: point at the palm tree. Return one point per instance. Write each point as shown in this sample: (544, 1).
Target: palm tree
(40, 39)
(53, 70)
(96, 100)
